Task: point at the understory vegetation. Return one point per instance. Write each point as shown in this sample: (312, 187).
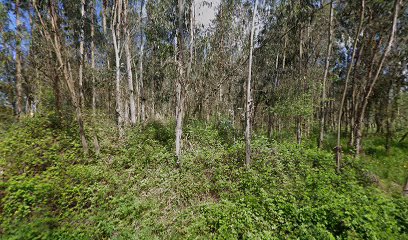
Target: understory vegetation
(134, 189)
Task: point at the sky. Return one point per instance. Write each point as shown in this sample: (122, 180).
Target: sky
(205, 11)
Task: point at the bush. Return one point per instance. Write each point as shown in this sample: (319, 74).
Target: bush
(135, 190)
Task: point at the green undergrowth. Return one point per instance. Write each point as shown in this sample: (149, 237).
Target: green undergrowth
(390, 167)
(134, 189)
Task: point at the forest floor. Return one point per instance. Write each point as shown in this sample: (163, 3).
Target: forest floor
(134, 190)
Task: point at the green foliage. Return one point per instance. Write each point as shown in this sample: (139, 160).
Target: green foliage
(135, 191)
(298, 105)
(390, 166)
(36, 144)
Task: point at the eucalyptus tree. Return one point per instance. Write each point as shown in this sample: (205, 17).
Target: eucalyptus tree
(117, 39)
(180, 82)
(357, 34)
(373, 79)
(55, 37)
(81, 55)
(249, 99)
(141, 103)
(128, 53)
(324, 82)
(315, 66)
(19, 77)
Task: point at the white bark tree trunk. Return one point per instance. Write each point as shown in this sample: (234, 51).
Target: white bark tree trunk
(19, 85)
(55, 39)
(377, 74)
(104, 9)
(116, 37)
(343, 99)
(129, 66)
(326, 71)
(95, 139)
(180, 83)
(192, 28)
(141, 86)
(249, 100)
(92, 7)
(142, 97)
(81, 55)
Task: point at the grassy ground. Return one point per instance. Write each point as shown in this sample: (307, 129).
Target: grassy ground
(390, 167)
(134, 190)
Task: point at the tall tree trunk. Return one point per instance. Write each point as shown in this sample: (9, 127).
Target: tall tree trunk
(192, 29)
(359, 97)
(142, 97)
(56, 90)
(391, 114)
(95, 139)
(54, 38)
(180, 84)
(284, 52)
(326, 71)
(125, 99)
(116, 37)
(129, 66)
(300, 89)
(104, 25)
(92, 7)
(81, 55)
(353, 107)
(367, 93)
(276, 84)
(34, 83)
(269, 104)
(249, 99)
(104, 10)
(343, 99)
(19, 78)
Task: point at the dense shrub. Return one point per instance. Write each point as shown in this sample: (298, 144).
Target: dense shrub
(136, 191)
